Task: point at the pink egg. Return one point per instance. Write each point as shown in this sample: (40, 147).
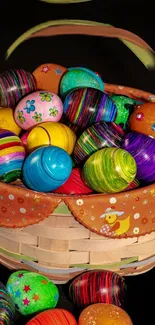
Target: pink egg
(38, 107)
(24, 138)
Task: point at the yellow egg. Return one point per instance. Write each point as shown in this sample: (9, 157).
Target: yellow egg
(7, 120)
(51, 133)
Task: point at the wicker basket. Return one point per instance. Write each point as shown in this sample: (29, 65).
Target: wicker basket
(55, 235)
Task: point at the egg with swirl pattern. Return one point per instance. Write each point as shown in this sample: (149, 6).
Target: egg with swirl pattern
(86, 106)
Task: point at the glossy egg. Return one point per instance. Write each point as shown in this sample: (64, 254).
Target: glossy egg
(97, 287)
(7, 120)
(74, 184)
(125, 106)
(51, 133)
(53, 317)
(95, 137)
(14, 85)
(86, 106)
(46, 169)
(143, 119)
(104, 314)
(109, 170)
(40, 106)
(48, 76)
(7, 307)
(142, 148)
(79, 77)
(12, 155)
(32, 292)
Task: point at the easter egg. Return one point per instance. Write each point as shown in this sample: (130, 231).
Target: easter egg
(48, 76)
(93, 73)
(74, 184)
(86, 106)
(40, 106)
(24, 138)
(12, 155)
(32, 292)
(142, 148)
(104, 314)
(109, 170)
(46, 168)
(125, 106)
(78, 77)
(7, 307)
(97, 287)
(143, 119)
(14, 85)
(7, 120)
(135, 184)
(51, 133)
(53, 317)
(95, 137)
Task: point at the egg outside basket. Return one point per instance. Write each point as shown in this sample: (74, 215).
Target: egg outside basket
(61, 236)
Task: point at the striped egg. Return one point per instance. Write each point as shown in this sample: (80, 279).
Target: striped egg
(95, 137)
(12, 154)
(86, 106)
(7, 307)
(14, 85)
(53, 317)
(109, 170)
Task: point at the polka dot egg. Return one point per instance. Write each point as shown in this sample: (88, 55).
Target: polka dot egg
(40, 106)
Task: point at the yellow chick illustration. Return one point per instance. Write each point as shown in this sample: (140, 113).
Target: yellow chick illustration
(117, 226)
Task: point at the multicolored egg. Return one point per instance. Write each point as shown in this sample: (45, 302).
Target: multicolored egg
(46, 169)
(97, 287)
(12, 155)
(125, 106)
(135, 184)
(40, 106)
(142, 148)
(7, 120)
(51, 133)
(86, 106)
(48, 76)
(104, 314)
(53, 317)
(143, 119)
(7, 307)
(74, 184)
(32, 292)
(95, 137)
(14, 85)
(109, 170)
(79, 77)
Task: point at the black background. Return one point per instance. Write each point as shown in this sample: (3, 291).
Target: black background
(110, 58)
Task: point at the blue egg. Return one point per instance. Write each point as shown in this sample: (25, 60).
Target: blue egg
(47, 168)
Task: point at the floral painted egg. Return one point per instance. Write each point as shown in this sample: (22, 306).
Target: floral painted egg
(12, 155)
(7, 307)
(142, 148)
(104, 314)
(79, 77)
(32, 292)
(40, 106)
(97, 287)
(14, 85)
(51, 133)
(95, 137)
(109, 170)
(7, 120)
(143, 119)
(86, 106)
(48, 76)
(125, 106)
(53, 317)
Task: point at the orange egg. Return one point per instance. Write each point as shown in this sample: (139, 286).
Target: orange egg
(104, 314)
(142, 119)
(53, 317)
(48, 76)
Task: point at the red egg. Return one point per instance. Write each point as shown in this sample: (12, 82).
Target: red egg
(53, 317)
(98, 287)
(74, 184)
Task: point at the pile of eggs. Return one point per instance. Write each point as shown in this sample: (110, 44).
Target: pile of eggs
(61, 132)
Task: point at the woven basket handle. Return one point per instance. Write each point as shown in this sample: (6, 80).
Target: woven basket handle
(69, 27)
